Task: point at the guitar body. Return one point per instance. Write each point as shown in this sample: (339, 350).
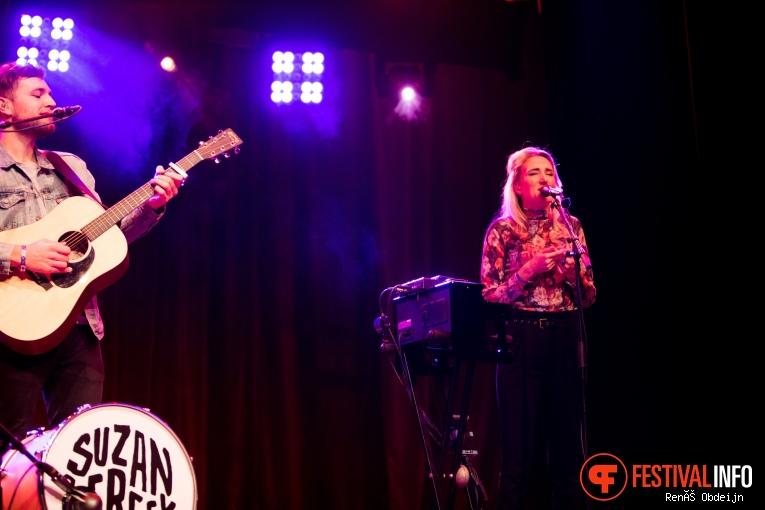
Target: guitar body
(37, 312)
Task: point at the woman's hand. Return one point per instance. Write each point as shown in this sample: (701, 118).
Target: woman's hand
(567, 268)
(543, 261)
(546, 260)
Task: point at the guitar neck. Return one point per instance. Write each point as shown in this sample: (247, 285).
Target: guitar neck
(115, 213)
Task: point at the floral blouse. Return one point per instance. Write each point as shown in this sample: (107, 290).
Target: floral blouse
(505, 251)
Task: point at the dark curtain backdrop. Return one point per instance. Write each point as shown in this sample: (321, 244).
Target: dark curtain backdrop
(246, 318)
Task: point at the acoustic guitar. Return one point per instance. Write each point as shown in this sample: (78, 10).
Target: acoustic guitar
(37, 311)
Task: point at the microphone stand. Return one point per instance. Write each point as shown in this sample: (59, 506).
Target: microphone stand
(58, 114)
(579, 254)
(74, 498)
(7, 123)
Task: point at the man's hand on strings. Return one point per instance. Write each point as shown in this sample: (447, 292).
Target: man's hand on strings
(46, 256)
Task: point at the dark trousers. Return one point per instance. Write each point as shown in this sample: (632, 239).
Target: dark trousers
(539, 395)
(68, 376)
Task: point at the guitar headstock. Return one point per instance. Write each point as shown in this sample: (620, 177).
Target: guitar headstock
(219, 145)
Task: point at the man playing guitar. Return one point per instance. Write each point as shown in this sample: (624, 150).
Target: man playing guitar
(33, 182)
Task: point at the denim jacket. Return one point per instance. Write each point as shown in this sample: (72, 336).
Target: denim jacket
(24, 200)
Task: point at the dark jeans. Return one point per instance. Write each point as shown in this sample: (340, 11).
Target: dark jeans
(68, 376)
(539, 395)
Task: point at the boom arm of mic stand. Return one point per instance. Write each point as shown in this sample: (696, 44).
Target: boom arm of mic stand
(6, 123)
(58, 114)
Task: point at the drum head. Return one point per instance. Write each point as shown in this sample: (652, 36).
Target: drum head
(123, 453)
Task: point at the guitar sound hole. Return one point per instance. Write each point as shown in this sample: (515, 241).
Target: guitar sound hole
(76, 255)
(80, 259)
(78, 243)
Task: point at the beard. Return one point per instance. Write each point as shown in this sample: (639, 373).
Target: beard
(42, 128)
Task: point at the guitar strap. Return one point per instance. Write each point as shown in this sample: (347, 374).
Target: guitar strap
(72, 178)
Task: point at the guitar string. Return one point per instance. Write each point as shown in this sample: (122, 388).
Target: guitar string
(76, 238)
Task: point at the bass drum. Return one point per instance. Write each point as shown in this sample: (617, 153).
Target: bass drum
(123, 453)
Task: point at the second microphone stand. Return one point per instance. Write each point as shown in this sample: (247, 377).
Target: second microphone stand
(580, 256)
(74, 498)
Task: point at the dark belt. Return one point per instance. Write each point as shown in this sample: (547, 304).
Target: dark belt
(542, 320)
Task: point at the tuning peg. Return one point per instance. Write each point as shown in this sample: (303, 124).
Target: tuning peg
(236, 150)
(217, 160)
(226, 155)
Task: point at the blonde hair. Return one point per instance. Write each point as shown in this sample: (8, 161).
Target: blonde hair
(512, 205)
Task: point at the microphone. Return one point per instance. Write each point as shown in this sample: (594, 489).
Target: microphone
(81, 500)
(549, 191)
(381, 322)
(64, 112)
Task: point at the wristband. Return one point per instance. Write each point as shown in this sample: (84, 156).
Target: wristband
(23, 266)
(521, 280)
